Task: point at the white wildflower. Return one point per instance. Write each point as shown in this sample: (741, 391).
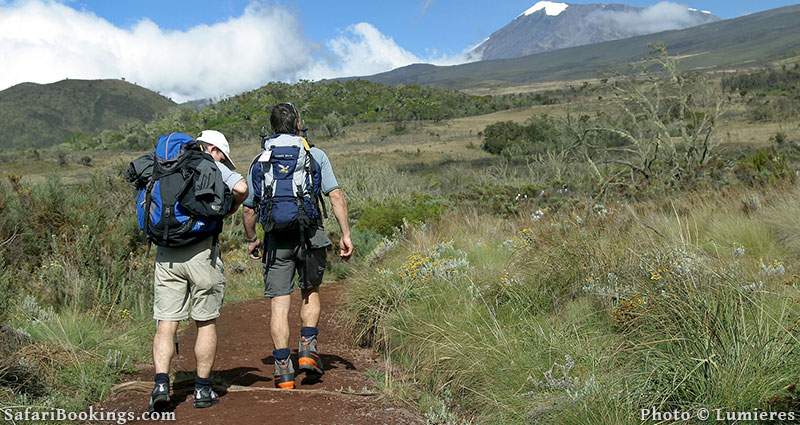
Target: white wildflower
(600, 210)
(774, 268)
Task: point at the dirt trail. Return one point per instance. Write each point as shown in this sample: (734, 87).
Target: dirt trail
(244, 362)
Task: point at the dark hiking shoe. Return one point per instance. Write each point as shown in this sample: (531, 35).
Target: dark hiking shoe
(309, 360)
(204, 397)
(284, 374)
(159, 398)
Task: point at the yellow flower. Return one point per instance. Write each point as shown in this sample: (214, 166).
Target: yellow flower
(656, 275)
(413, 263)
(125, 315)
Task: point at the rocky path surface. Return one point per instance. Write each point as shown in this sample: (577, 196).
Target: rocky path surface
(244, 373)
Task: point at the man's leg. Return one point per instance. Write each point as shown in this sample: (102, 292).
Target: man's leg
(279, 325)
(313, 269)
(164, 345)
(279, 321)
(208, 291)
(205, 347)
(163, 350)
(309, 359)
(278, 286)
(310, 310)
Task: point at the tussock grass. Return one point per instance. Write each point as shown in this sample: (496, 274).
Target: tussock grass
(583, 317)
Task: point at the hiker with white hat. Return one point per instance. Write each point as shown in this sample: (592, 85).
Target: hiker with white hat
(190, 283)
(215, 144)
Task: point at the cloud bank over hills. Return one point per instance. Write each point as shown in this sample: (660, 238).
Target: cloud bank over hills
(44, 41)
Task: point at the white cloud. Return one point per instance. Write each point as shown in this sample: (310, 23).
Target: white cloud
(361, 50)
(663, 16)
(44, 41)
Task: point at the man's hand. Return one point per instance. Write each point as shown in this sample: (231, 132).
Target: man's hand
(345, 247)
(339, 204)
(252, 249)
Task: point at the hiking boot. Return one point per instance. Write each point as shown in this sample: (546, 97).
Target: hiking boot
(309, 359)
(284, 374)
(204, 397)
(159, 398)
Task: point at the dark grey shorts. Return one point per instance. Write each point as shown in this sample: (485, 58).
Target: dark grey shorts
(280, 269)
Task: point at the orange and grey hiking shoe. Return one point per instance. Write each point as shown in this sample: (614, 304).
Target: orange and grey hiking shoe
(309, 359)
(284, 374)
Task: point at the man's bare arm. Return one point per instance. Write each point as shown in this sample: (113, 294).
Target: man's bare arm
(249, 219)
(239, 193)
(339, 206)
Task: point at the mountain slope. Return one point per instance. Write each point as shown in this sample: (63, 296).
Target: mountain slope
(749, 40)
(550, 26)
(41, 115)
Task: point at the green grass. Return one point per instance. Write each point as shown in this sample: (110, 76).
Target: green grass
(78, 355)
(564, 321)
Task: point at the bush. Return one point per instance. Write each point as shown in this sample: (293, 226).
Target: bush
(75, 245)
(384, 217)
(511, 139)
(333, 124)
(763, 167)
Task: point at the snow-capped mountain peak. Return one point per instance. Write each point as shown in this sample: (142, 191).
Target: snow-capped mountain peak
(550, 8)
(549, 25)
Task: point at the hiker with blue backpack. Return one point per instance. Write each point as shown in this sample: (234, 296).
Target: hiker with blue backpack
(186, 187)
(288, 180)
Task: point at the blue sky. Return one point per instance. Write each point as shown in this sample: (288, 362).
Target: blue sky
(424, 27)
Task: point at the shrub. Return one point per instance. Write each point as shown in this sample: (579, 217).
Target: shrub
(763, 167)
(333, 124)
(508, 138)
(384, 217)
(499, 136)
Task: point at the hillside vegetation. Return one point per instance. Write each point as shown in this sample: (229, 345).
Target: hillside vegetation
(328, 107)
(41, 115)
(752, 39)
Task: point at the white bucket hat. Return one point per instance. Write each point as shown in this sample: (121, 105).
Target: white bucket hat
(217, 139)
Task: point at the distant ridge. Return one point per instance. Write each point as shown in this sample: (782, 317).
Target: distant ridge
(40, 115)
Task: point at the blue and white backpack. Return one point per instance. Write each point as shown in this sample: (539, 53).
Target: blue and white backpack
(291, 186)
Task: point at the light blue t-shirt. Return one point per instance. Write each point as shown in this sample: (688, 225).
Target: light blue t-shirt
(229, 176)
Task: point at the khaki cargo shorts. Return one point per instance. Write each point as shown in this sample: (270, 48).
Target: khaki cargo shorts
(186, 284)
